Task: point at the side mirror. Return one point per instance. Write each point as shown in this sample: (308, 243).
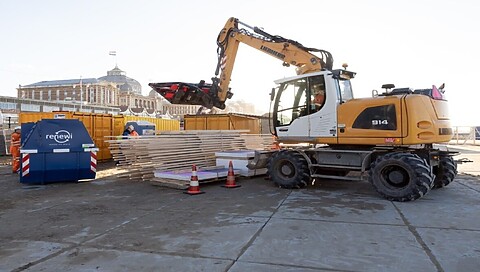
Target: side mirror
(272, 94)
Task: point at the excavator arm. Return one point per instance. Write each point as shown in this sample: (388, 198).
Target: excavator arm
(290, 52)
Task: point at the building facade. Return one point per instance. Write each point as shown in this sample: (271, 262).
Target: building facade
(130, 91)
(133, 100)
(14, 105)
(123, 83)
(88, 91)
(113, 93)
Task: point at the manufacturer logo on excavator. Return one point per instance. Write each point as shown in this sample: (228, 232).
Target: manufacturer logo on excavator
(272, 52)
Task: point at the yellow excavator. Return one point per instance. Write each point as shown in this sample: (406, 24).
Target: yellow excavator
(388, 138)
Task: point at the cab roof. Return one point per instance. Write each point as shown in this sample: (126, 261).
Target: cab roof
(339, 72)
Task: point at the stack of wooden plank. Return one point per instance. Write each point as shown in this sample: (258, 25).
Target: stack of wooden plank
(140, 157)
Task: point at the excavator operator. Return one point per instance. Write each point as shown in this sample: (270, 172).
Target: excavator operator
(317, 96)
(318, 93)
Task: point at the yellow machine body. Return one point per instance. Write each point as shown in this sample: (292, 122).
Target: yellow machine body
(419, 119)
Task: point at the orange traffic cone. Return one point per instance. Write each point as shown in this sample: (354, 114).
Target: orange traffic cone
(230, 178)
(194, 188)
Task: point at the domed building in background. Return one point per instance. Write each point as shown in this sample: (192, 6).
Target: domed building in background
(114, 93)
(130, 93)
(124, 83)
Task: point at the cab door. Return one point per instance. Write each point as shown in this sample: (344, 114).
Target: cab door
(299, 115)
(323, 117)
(290, 112)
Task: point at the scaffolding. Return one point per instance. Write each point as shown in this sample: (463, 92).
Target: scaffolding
(7, 123)
(466, 135)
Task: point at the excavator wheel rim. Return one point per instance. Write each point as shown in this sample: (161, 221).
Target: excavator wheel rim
(287, 169)
(395, 176)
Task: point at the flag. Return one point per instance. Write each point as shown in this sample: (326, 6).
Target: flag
(112, 53)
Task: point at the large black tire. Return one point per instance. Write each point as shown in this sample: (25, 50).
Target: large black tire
(288, 169)
(445, 172)
(401, 176)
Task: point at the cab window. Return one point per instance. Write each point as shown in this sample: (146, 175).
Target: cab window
(317, 93)
(345, 89)
(291, 101)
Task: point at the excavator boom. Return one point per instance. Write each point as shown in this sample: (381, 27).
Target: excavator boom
(290, 52)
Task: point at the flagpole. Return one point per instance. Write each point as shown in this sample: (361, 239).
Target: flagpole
(113, 53)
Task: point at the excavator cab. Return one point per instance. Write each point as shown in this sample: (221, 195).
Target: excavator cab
(305, 106)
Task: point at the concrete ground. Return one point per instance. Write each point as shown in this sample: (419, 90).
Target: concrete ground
(119, 225)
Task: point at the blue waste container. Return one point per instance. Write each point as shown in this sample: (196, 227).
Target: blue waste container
(57, 150)
(142, 127)
(26, 127)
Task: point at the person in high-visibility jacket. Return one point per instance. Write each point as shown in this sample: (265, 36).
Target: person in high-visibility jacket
(15, 149)
(130, 131)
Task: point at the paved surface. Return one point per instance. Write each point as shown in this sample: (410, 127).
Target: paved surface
(118, 225)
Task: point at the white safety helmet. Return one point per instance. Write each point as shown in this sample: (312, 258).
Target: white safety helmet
(18, 128)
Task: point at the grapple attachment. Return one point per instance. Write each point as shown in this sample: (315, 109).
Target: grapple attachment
(189, 93)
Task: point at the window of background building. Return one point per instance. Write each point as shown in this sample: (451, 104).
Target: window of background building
(41, 94)
(58, 94)
(49, 95)
(8, 106)
(29, 107)
(33, 94)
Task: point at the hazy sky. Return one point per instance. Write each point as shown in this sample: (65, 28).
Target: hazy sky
(409, 43)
